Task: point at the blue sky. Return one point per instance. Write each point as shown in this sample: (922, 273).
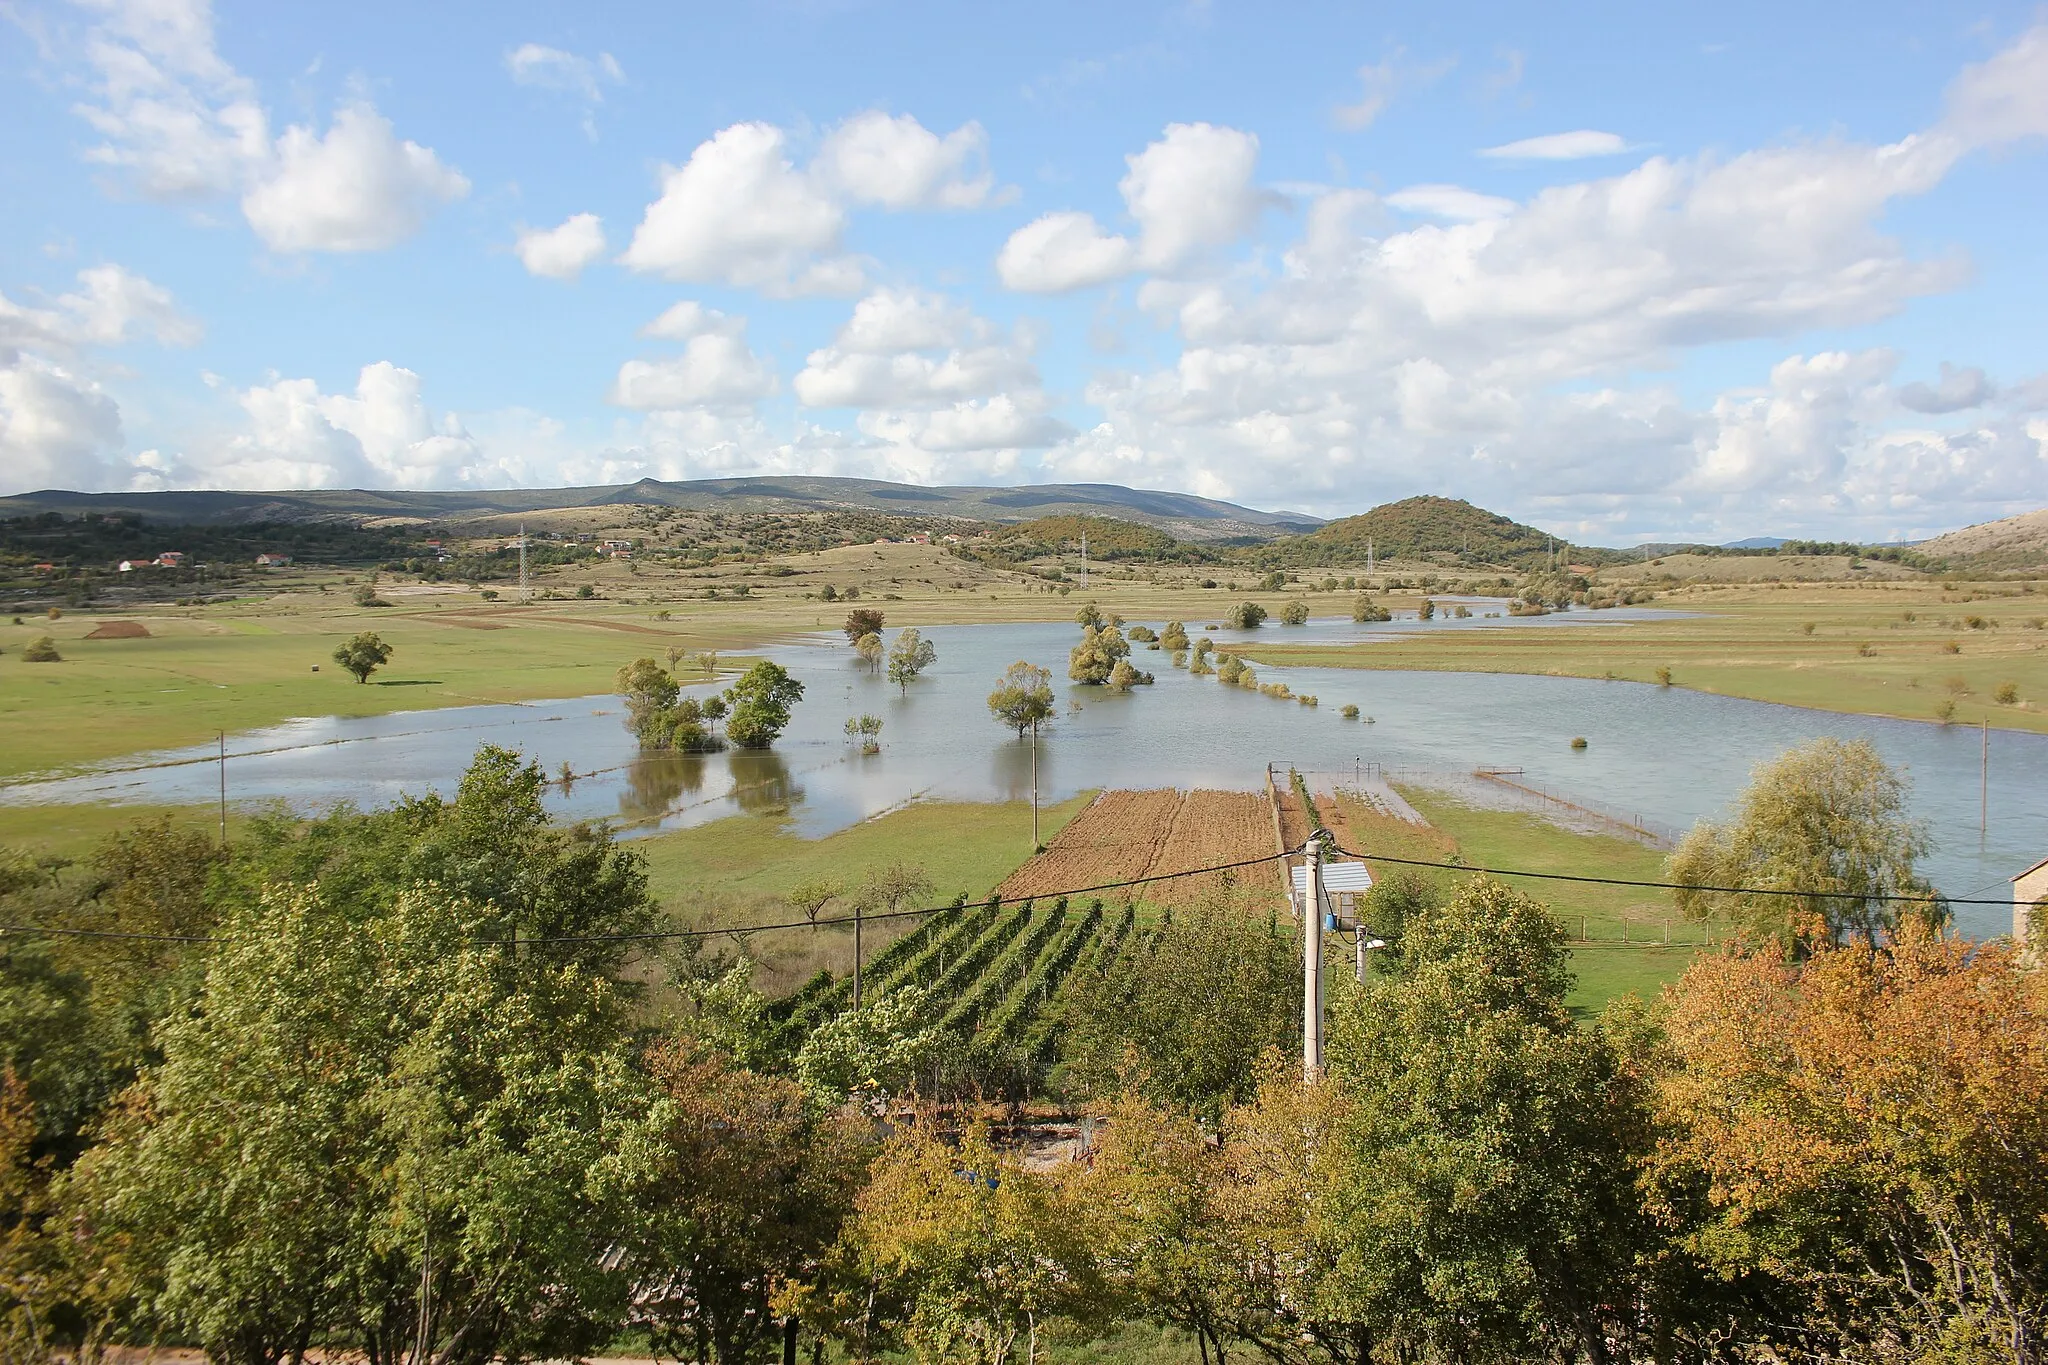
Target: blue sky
(1623, 273)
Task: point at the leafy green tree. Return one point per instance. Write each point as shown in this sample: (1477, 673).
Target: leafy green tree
(1246, 616)
(911, 655)
(1427, 611)
(869, 647)
(862, 621)
(1096, 656)
(1023, 699)
(869, 1053)
(747, 1189)
(1485, 1189)
(466, 1135)
(1192, 1011)
(363, 655)
(1174, 637)
(761, 701)
(650, 694)
(1295, 613)
(1826, 820)
(1365, 610)
(1090, 615)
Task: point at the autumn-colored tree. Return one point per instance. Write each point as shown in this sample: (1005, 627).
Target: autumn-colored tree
(967, 1253)
(1869, 1129)
(862, 621)
(1095, 658)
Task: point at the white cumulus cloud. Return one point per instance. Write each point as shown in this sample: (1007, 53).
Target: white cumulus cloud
(739, 212)
(1189, 193)
(562, 252)
(715, 370)
(898, 163)
(358, 187)
(179, 122)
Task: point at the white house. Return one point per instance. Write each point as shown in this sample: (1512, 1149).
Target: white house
(1344, 885)
(2029, 889)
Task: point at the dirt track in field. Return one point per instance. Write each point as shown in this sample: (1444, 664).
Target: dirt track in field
(1125, 834)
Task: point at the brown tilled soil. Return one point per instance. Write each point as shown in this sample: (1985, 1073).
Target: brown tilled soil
(1126, 834)
(120, 630)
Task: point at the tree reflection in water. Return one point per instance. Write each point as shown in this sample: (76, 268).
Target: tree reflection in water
(762, 782)
(656, 781)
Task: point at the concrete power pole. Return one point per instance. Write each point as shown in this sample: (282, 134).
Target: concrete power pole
(1312, 967)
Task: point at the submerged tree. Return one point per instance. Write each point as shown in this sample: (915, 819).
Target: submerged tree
(911, 655)
(761, 702)
(1820, 850)
(1096, 656)
(1023, 698)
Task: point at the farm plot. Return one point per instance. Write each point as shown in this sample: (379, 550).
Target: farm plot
(1128, 834)
(995, 977)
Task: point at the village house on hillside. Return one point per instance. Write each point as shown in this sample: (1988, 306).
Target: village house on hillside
(272, 561)
(170, 559)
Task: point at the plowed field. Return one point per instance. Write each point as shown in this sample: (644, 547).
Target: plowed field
(1126, 834)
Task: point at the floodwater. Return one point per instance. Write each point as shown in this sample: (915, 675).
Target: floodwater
(1667, 755)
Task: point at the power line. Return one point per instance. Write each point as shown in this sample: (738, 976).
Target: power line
(659, 934)
(734, 929)
(1676, 886)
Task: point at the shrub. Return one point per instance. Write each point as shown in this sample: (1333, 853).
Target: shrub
(1806, 629)
(1246, 616)
(366, 596)
(1945, 712)
(1578, 741)
(1976, 623)
(1865, 650)
(42, 650)
(2008, 694)
(1144, 635)
(1365, 610)
(1294, 614)
(1951, 647)
(1957, 684)
(1663, 677)
(490, 594)
(1350, 712)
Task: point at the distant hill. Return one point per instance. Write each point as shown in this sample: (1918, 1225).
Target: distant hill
(1755, 543)
(1181, 515)
(1450, 530)
(2015, 542)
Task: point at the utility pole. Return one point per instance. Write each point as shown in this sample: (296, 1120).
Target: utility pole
(1312, 966)
(1035, 845)
(223, 789)
(857, 908)
(1984, 786)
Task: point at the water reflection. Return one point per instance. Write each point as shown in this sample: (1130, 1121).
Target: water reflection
(762, 782)
(1010, 768)
(655, 783)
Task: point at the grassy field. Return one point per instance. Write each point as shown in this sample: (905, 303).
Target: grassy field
(1625, 928)
(1912, 649)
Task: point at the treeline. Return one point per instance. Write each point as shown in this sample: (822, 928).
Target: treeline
(416, 1084)
(97, 542)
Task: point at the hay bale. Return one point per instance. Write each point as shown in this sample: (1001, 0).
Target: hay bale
(120, 630)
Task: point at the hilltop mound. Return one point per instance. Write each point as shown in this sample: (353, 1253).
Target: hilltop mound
(1429, 527)
(2012, 542)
